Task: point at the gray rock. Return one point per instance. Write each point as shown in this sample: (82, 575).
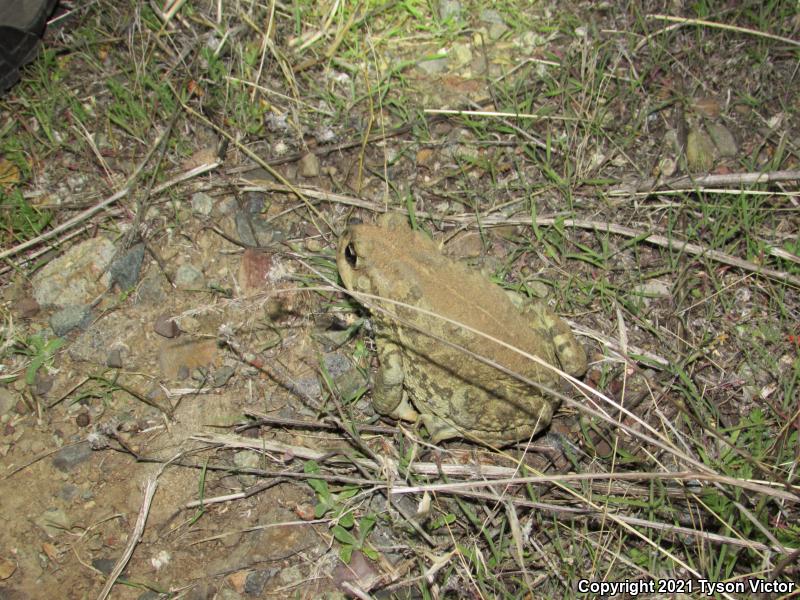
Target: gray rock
(223, 375)
(189, 277)
(309, 165)
(165, 326)
(71, 317)
(125, 270)
(450, 9)
(69, 492)
(69, 457)
(252, 230)
(202, 203)
(114, 359)
(76, 277)
(104, 565)
(723, 139)
(489, 15)
(257, 580)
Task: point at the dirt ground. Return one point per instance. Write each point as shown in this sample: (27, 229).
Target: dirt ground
(186, 387)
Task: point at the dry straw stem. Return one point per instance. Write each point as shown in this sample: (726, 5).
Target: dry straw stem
(487, 113)
(479, 475)
(149, 491)
(665, 242)
(700, 183)
(51, 247)
(681, 21)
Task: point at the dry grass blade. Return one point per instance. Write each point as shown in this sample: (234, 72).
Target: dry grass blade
(150, 488)
(680, 21)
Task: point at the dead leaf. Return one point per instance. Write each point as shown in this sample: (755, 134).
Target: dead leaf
(9, 173)
(7, 568)
(50, 550)
(237, 581)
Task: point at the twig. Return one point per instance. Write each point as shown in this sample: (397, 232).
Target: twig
(665, 242)
(583, 513)
(493, 113)
(49, 248)
(149, 492)
(702, 181)
(264, 419)
(714, 25)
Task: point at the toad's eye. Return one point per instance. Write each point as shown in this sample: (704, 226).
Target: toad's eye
(350, 255)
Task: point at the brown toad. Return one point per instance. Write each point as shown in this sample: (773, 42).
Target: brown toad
(455, 394)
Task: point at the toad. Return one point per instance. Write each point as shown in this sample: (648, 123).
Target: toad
(421, 300)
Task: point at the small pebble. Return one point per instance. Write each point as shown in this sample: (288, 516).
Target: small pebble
(166, 327)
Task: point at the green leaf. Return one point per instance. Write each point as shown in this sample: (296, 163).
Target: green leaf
(53, 345)
(365, 524)
(320, 509)
(344, 536)
(443, 520)
(320, 486)
(346, 553)
(347, 493)
(30, 373)
(347, 520)
(370, 553)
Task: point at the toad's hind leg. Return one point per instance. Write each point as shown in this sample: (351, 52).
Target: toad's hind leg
(388, 396)
(571, 355)
(439, 429)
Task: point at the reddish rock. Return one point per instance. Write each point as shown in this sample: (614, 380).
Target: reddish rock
(27, 307)
(166, 327)
(254, 271)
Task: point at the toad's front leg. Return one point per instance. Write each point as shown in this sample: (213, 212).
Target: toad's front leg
(388, 396)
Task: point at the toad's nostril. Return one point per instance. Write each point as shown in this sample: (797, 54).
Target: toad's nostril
(350, 255)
